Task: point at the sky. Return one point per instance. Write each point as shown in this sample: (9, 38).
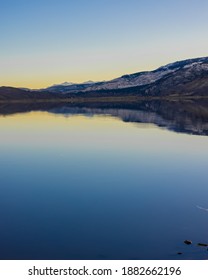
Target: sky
(45, 42)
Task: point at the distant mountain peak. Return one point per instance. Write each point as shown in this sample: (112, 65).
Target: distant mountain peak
(88, 82)
(71, 83)
(63, 84)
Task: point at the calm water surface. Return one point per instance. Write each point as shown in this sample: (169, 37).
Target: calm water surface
(94, 187)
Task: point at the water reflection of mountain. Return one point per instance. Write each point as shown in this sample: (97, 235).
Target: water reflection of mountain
(187, 116)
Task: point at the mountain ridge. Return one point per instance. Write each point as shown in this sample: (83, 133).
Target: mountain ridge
(131, 80)
(182, 78)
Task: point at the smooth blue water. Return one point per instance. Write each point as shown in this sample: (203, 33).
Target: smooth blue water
(97, 188)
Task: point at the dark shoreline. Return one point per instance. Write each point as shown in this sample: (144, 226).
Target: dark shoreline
(111, 99)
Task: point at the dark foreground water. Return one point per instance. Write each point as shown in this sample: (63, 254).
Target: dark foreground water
(102, 183)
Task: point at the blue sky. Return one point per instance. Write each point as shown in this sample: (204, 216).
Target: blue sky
(52, 41)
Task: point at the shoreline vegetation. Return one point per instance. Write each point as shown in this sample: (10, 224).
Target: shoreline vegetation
(110, 99)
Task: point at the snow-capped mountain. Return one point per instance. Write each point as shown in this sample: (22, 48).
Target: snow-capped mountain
(64, 84)
(136, 79)
(69, 86)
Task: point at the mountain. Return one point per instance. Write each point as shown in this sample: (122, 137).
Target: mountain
(180, 72)
(182, 78)
(69, 87)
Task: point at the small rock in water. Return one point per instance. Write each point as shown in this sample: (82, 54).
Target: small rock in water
(202, 244)
(188, 242)
(179, 253)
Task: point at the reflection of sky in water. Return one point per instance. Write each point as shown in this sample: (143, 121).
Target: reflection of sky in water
(82, 187)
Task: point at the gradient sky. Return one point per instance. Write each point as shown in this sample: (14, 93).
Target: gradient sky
(52, 41)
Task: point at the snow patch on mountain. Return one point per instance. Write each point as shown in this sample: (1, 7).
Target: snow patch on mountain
(133, 80)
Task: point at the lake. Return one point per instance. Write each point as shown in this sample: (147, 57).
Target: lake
(103, 182)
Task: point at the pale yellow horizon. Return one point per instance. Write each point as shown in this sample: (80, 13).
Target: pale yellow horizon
(56, 72)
